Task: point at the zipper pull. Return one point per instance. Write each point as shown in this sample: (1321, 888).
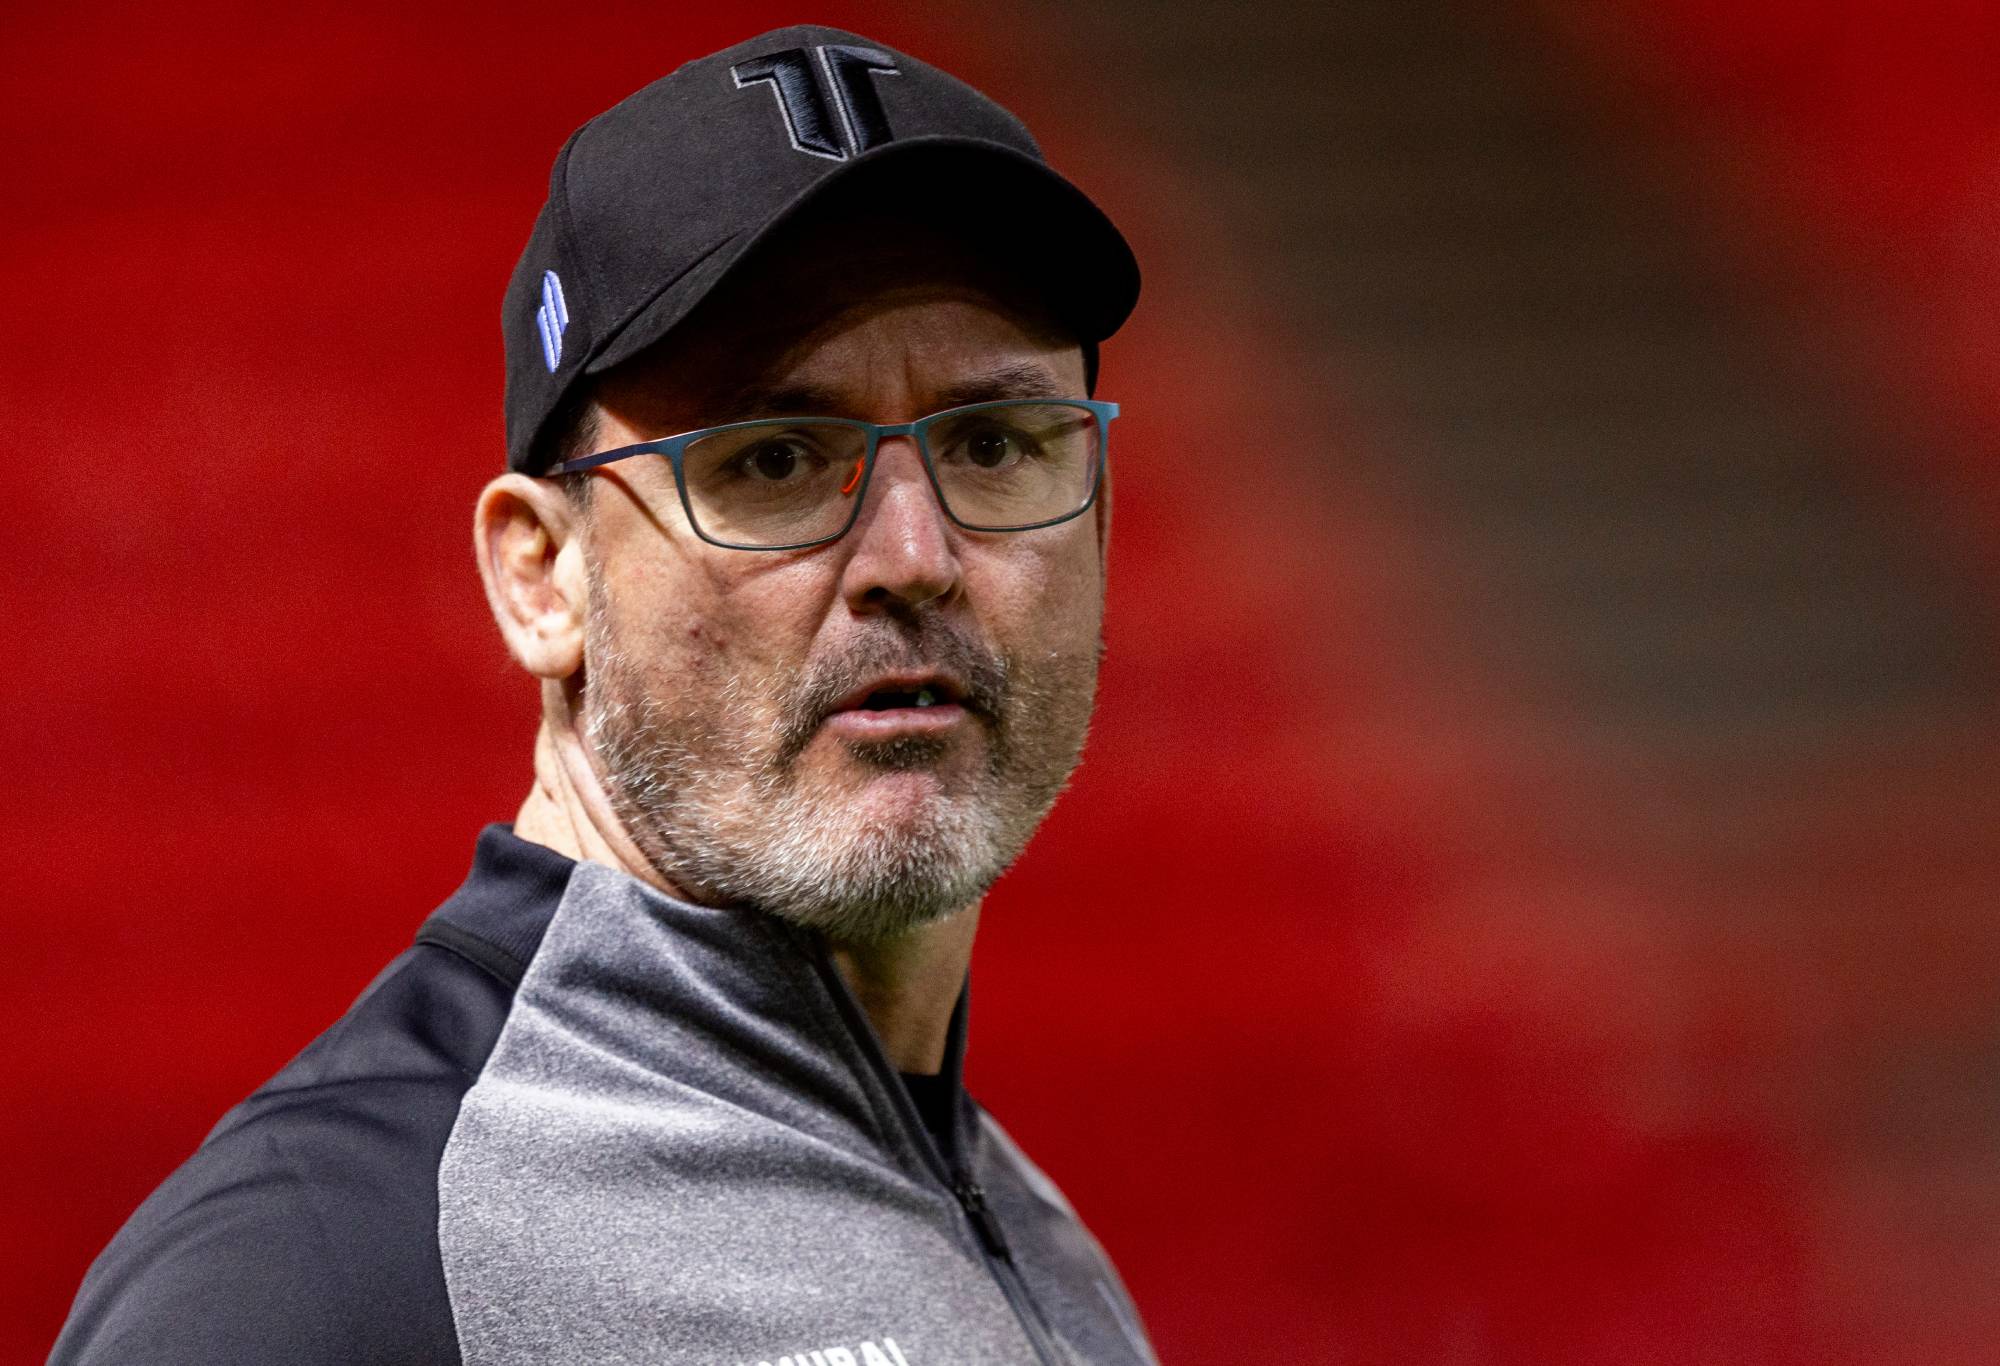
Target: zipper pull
(974, 1200)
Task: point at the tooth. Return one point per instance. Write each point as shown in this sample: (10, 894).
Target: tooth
(926, 698)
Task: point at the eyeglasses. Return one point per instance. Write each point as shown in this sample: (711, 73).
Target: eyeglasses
(792, 482)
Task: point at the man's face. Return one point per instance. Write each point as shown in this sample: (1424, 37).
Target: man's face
(714, 679)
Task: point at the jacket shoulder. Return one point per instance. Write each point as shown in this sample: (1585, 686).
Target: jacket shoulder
(1074, 1277)
(304, 1229)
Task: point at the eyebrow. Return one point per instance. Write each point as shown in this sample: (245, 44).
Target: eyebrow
(751, 401)
(1008, 381)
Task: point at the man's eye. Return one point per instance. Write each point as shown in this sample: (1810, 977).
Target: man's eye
(992, 448)
(775, 461)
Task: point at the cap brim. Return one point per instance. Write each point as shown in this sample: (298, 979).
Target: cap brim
(1062, 239)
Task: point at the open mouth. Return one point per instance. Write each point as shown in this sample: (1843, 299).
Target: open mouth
(916, 690)
(888, 699)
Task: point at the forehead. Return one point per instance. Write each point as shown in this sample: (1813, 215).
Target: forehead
(836, 298)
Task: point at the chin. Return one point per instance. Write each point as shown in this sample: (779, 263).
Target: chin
(900, 820)
(901, 779)
(883, 862)
(894, 803)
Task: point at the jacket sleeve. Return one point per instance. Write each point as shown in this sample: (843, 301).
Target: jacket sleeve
(275, 1243)
(304, 1230)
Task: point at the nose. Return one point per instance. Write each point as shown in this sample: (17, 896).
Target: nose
(902, 553)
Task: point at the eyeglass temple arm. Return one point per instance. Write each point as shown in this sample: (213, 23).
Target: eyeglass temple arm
(591, 462)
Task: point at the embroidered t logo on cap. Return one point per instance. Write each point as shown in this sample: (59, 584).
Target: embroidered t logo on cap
(552, 317)
(809, 116)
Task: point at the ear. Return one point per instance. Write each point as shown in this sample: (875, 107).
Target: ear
(527, 536)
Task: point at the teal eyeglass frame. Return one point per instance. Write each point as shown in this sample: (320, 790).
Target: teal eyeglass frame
(673, 446)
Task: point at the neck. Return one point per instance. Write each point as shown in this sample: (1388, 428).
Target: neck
(907, 986)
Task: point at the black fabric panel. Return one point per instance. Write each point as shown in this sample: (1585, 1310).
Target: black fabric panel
(504, 967)
(510, 895)
(304, 1230)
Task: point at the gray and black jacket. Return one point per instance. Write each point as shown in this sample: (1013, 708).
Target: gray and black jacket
(579, 1121)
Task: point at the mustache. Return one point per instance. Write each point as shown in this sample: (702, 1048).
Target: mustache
(922, 646)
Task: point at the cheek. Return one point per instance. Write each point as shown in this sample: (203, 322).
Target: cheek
(702, 641)
(661, 625)
(749, 625)
(1050, 593)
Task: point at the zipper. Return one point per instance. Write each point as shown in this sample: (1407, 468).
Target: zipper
(992, 1239)
(1000, 1261)
(981, 1214)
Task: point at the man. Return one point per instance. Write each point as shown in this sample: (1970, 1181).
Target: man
(803, 538)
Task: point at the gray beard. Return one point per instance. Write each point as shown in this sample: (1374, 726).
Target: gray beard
(732, 821)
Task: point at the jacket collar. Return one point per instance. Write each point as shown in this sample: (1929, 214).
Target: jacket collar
(671, 985)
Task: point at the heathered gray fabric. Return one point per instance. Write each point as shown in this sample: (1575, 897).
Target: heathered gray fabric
(1074, 1284)
(680, 1151)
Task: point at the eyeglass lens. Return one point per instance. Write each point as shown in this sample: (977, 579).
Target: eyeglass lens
(782, 483)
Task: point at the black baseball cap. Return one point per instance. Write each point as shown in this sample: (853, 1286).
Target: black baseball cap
(653, 202)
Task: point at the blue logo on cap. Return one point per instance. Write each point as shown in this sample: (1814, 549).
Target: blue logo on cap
(551, 318)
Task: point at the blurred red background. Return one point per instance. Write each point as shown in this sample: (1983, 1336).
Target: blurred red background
(1420, 968)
